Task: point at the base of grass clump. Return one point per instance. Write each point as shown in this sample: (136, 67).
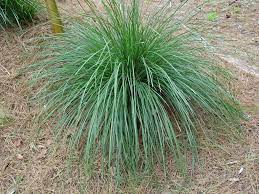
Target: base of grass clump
(134, 91)
(17, 12)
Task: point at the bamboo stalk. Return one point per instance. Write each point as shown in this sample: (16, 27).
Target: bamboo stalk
(56, 23)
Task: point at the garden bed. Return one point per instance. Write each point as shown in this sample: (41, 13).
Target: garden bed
(28, 164)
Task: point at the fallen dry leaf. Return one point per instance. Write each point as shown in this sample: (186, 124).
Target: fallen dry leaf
(41, 146)
(42, 154)
(241, 170)
(19, 156)
(232, 162)
(234, 179)
(49, 142)
(17, 142)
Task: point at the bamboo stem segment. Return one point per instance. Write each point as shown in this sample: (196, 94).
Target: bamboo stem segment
(56, 23)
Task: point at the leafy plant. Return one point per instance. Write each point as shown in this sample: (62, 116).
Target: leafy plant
(15, 12)
(237, 9)
(212, 16)
(5, 118)
(132, 90)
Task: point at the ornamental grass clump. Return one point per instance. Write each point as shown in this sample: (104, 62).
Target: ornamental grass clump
(131, 89)
(16, 12)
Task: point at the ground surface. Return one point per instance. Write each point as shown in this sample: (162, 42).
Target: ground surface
(28, 165)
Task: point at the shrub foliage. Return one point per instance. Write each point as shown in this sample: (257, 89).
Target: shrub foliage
(15, 12)
(132, 89)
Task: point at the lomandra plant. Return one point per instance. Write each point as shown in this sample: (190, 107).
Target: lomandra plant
(131, 89)
(16, 12)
